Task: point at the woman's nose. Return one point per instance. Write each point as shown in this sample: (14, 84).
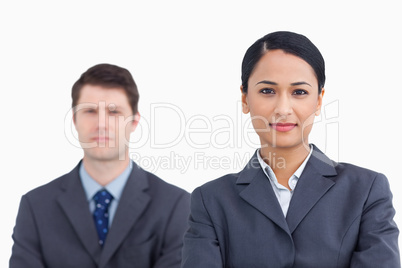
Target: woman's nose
(283, 106)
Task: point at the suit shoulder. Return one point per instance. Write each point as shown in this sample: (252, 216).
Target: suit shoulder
(48, 188)
(220, 185)
(159, 184)
(362, 176)
(225, 179)
(53, 188)
(352, 169)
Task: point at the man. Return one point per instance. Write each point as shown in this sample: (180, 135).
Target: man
(107, 212)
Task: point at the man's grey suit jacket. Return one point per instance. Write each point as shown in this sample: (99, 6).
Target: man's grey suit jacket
(55, 228)
(340, 216)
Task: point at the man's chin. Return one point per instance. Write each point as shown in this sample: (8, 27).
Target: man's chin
(104, 155)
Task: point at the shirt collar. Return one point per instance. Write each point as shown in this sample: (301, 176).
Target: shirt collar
(115, 187)
(270, 174)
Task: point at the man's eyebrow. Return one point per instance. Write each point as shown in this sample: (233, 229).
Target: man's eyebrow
(267, 82)
(300, 83)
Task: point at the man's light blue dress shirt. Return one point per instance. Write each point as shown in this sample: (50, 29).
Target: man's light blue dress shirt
(115, 188)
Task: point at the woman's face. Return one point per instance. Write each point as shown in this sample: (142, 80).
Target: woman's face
(282, 99)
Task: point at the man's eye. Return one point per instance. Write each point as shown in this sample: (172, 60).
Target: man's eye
(300, 92)
(267, 91)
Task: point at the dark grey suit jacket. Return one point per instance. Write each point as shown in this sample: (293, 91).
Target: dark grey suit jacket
(340, 215)
(55, 228)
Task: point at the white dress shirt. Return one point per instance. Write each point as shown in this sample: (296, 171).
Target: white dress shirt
(283, 194)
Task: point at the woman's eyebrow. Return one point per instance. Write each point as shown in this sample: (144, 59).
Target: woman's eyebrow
(275, 84)
(300, 83)
(267, 82)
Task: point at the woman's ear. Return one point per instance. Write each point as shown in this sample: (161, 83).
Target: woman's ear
(244, 101)
(319, 103)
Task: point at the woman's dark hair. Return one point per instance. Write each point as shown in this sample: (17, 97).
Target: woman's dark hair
(108, 76)
(292, 43)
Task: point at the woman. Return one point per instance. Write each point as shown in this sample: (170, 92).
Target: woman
(291, 206)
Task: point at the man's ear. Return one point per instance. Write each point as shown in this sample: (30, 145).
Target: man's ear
(319, 103)
(244, 101)
(74, 119)
(135, 121)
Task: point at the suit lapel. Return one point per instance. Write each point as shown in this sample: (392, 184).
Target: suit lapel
(311, 187)
(133, 202)
(259, 193)
(74, 204)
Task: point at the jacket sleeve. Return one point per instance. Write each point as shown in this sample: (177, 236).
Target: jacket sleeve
(377, 244)
(201, 245)
(173, 240)
(26, 249)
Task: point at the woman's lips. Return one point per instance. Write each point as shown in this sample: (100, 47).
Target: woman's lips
(283, 127)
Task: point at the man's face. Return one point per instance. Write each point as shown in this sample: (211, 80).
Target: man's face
(104, 120)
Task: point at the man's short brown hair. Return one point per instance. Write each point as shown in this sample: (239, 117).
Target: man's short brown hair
(108, 76)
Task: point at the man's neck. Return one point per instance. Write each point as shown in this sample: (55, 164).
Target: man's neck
(103, 172)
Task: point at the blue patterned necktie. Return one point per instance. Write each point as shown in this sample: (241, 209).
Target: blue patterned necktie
(101, 214)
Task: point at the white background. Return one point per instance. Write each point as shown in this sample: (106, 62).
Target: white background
(188, 54)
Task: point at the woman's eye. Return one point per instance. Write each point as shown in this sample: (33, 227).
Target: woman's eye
(300, 92)
(267, 91)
